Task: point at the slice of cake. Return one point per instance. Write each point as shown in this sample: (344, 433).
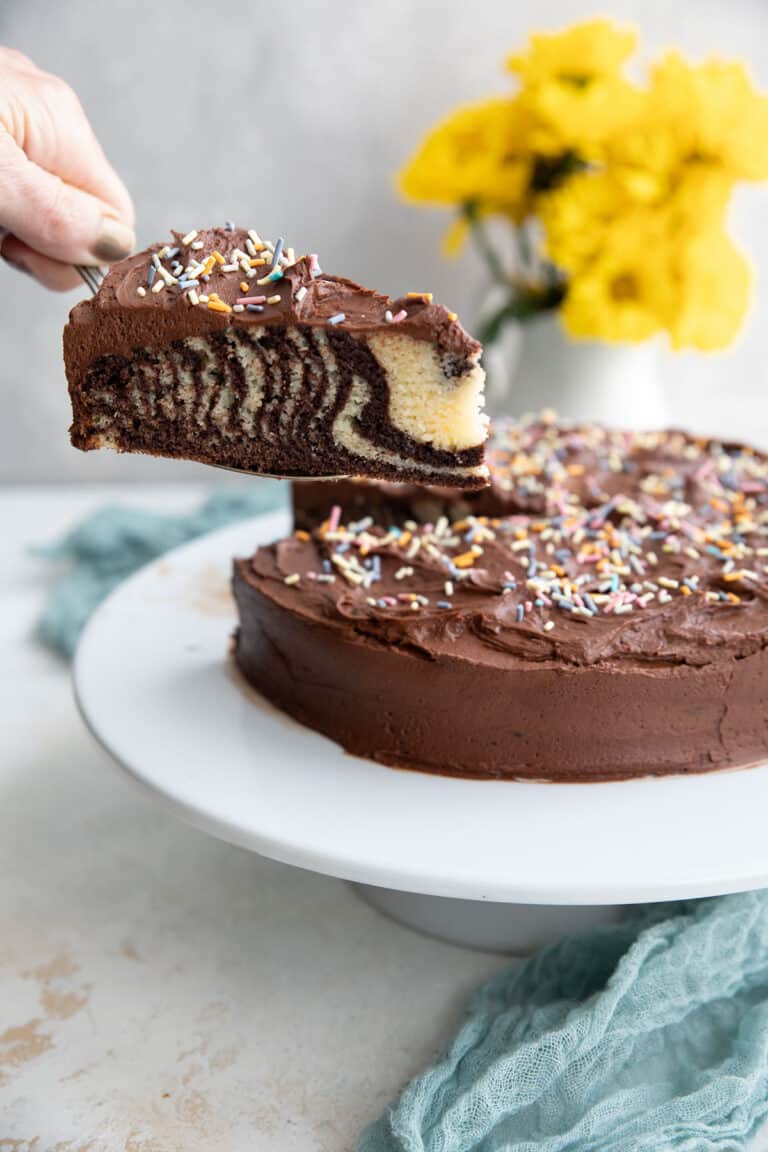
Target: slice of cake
(224, 348)
(617, 627)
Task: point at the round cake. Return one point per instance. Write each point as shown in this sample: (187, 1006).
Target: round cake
(603, 615)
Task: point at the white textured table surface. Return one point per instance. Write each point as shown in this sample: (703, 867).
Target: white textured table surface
(161, 991)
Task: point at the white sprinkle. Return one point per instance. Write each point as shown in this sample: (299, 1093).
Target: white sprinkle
(229, 267)
(301, 293)
(255, 238)
(292, 579)
(388, 316)
(193, 297)
(273, 299)
(141, 290)
(190, 236)
(666, 582)
(203, 298)
(448, 588)
(549, 625)
(198, 244)
(163, 252)
(238, 307)
(158, 286)
(403, 572)
(289, 257)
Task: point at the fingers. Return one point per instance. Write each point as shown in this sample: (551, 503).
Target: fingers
(58, 138)
(54, 218)
(59, 196)
(51, 273)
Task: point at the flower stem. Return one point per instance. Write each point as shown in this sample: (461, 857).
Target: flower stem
(483, 243)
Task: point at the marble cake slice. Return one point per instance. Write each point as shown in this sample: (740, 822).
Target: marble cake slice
(226, 349)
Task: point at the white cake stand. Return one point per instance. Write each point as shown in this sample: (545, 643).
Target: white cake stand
(503, 865)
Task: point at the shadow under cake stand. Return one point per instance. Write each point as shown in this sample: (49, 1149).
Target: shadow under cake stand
(488, 864)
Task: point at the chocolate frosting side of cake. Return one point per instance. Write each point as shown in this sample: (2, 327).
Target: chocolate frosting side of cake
(119, 319)
(573, 642)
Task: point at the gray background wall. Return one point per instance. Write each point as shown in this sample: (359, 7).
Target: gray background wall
(292, 117)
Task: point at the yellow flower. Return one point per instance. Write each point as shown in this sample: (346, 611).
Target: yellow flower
(579, 216)
(625, 295)
(712, 282)
(573, 88)
(712, 114)
(478, 154)
(575, 57)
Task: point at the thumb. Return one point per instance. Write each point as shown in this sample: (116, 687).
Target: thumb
(55, 218)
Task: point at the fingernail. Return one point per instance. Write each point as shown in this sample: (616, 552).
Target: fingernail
(115, 241)
(15, 265)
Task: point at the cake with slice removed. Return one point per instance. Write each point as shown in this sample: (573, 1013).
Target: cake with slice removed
(226, 349)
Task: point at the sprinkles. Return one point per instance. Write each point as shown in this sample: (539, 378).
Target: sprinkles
(684, 523)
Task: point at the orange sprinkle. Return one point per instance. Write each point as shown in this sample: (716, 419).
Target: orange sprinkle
(734, 599)
(404, 540)
(465, 560)
(685, 590)
(520, 533)
(453, 316)
(217, 256)
(425, 296)
(729, 577)
(575, 469)
(256, 263)
(218, 305)
(244, 285)
(300, 534)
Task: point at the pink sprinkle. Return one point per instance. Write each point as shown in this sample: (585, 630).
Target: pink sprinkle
(334, 518)
(401, 315)
(529, 605)
(312, 261)
(311, 575)
(251, 300)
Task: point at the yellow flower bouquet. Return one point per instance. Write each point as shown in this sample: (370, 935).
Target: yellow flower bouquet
(617, 192)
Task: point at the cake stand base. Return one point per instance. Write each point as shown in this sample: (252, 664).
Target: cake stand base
(515, 928)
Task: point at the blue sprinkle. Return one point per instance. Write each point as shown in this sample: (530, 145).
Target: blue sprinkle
(254, 307)
(338, 318)
(520, 613)
(278, 251)
(589, 602)
(444, 604)
(615, 582)
(563, 602)
(151, 275)
(188, 283)
(173, 252)
(377, 566)
(539, 602)
(342, 548)
(176, 267)
(277, 274)
(531, 569)
(229, 225)
(326, 566)
(205, 279)
(510, 584)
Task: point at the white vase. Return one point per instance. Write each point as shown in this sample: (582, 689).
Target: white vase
(536, 365)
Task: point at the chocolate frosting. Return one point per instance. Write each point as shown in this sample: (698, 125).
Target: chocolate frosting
(119, 319)
(633, 585)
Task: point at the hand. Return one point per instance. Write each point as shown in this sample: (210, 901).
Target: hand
(61, 202)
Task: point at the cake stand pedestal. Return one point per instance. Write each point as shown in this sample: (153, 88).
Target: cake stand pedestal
(492, 927)
(495, 864)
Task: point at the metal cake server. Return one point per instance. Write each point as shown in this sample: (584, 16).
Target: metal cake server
(94, 278)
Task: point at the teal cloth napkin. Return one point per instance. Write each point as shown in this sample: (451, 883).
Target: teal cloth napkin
(647, 1036)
